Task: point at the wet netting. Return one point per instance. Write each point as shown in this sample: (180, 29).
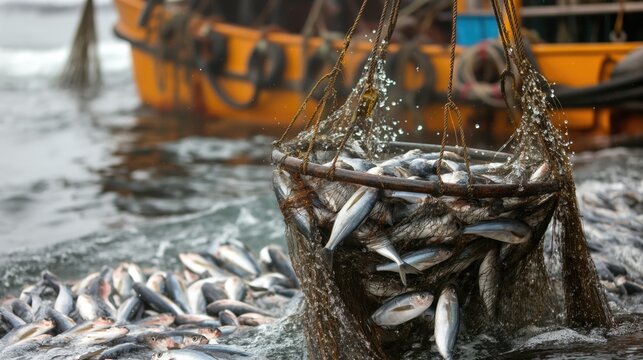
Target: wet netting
(82, 69)
(391, 239)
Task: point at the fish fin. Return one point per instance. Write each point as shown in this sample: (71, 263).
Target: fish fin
(327, 256)
(410, 269)
(405, 268)
(403, 308)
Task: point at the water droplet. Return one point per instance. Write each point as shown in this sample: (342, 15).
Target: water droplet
(419, 127)
(477, 126)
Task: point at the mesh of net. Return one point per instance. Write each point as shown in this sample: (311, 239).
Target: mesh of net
(500, 286)
(82, 70)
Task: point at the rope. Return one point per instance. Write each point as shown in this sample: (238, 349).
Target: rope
(331, 76)
(451, 106)
(618, 35)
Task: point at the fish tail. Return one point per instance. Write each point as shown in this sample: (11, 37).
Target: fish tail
(410, 269)
(327, 256)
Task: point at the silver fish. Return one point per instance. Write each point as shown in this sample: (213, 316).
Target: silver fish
(488, 281)
(11, 319)
(158, 320)
(456, 177)
(275, 259)
(281, 183)
(228, 318)
(194, 319)
(237, 307)
(185, 338)
(82, 285)
(122, 280)
(200, 265)
(472, 212)
(156, 282)
(213, 292)
(447, 322)
(88, 326)
(408, 196)
(157, 341)
(26, 331)
(22, 310)
(91, 307)
(65, 298)
(360, 165)
(119, 351)
(384, 247)
(351, 216)
(269, 281)
(128, 309)
(252, 319)
(441, 227)
(446, 155)
(333, 195)
(210, 332)
(235, 288)
(323, 216)
(196, 299)
(177, 292)
(541, 173)
(101, 336)
(402, 308)
(505, 230)
(222, 351)
(156, 301)
(381, 213)
(485, 168)
(182, 354)
(236, 259)
(62, 321)
(421, 259)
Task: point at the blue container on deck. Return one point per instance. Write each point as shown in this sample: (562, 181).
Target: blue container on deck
(472, 29)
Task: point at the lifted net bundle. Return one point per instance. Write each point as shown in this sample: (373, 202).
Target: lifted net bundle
(372, 223)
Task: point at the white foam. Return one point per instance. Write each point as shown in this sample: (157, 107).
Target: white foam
(563, 336)
(114, 57)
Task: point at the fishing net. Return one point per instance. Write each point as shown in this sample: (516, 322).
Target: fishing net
(82, 70)
(369, 218)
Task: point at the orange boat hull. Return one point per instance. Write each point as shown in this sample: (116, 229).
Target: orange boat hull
(165, 86)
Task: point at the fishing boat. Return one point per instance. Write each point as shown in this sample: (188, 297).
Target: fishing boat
(198, 58)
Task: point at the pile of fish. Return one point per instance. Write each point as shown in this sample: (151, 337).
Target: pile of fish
(427, 241)
(613, 223)
(129, 313)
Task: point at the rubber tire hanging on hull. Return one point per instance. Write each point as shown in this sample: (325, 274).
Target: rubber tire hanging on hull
(324, 55)
(410, 53)
(260, 77)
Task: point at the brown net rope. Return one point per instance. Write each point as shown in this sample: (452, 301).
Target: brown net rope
(82, 70)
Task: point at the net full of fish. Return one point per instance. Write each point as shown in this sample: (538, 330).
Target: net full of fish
(404, 261)
(130, 313)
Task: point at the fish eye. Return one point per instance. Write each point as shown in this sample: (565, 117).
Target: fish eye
(195, 338)
(153, 338)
